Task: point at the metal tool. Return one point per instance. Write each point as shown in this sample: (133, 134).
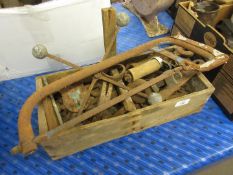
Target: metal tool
(40, 52)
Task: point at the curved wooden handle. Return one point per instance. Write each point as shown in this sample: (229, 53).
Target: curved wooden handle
(27, 140)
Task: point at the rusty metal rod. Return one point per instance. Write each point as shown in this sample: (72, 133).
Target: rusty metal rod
(39, 51)
(63, 61)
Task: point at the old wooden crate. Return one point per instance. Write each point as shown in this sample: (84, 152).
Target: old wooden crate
(222, 78)
(189, 25)
(88, 135)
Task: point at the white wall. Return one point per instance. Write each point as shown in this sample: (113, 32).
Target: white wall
(68, 28)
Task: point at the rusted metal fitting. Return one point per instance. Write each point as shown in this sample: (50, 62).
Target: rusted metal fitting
(121, 69)
(199, 61)
(182, 52)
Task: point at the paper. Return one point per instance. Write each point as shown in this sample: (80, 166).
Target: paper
(182, 103)
(71, 29)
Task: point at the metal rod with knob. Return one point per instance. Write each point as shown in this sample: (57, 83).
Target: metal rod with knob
(39, 51)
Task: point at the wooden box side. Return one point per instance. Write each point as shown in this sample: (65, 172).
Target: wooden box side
(184, 19)
(47, 118)
(224, 91)
(86, 136)
(42, 122)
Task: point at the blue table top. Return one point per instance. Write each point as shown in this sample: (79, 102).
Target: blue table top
(177, 147)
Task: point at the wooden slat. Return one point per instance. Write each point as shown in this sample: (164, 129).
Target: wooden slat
(47, 116)
(185, 21)
(224, 91)
(109, 28)
(228, 68)
(54, 105)
(42, 122)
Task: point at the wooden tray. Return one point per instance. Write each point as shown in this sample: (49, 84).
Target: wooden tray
(85, 136)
